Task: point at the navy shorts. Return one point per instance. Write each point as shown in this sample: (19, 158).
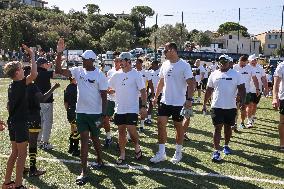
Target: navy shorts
(169, 110)
(18, 131)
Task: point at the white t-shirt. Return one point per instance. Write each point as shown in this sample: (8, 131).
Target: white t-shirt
(198, 71)
(225, 87)
(154, 76)
(280, 73)
(145, 75)
(127, 88)
(213, 67)
(247, 73)
(89, 85)
(259, 73)
(110, 73)
(175, 76)
(269, 78)
(206, 72)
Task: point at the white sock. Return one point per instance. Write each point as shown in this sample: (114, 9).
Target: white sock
(178, 148)
(162, 148)
(249, 119)
(149, 117)
(108, 135)
(142, 123)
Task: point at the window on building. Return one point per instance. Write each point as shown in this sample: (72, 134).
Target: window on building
(230, 36)
(276, 36)
(272, 46)
(269, 36)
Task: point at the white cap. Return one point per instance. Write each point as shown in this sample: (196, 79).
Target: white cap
(125, 55)
(231, 59)
(89, 54)
(252, 57)
(224, 56)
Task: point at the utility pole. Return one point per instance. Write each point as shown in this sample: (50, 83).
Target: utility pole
(155, 39)
(281, 36)
(239, 31)
(181, 31)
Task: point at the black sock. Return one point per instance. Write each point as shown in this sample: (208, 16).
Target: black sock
(71, 141)
(32, 155)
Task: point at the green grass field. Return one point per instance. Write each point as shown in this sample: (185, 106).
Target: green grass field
(255, 162)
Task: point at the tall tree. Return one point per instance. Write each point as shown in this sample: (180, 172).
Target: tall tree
(92, 9)
(116, 40)
(228, 27)
(140, 13)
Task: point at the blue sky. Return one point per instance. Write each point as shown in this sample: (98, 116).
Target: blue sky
(257, 15)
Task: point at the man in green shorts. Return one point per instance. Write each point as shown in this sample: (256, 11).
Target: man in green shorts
(91, 104)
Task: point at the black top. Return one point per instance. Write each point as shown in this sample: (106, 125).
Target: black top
(33, 102)
(17, 101)
(70, 95)
(43, 82)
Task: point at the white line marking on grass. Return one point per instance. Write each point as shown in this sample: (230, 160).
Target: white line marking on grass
(164, 170)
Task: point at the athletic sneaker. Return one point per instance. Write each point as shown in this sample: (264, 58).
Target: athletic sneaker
(249, 124)
(108, 142)
(227, 150)
(186, 137)
(242, 125)
(198, 100)
(47, 146)
(148, 122)
(158, 158)
(36, 173)
(216, 157)
(177, 157)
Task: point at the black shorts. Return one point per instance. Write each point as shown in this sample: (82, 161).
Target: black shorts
(198, 85)
(125, 119)
(223, 116)
(169, 110)
(34, 126)
(204, 83)
(254, 99)
(281, 108)
(18, 132)
(270, 85)
(71, 115)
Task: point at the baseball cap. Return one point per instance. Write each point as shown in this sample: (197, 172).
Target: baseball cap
(231, 59)
(89, 54)
(125, 56)
(223, 58)
(252, 57)
(41, 60)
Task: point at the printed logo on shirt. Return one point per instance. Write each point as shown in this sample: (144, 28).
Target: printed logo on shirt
(245, 73)
(124, 80)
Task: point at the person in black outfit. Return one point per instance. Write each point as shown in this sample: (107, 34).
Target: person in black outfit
(34, 97)
(44, 85)
(17, 120)
(70, 100)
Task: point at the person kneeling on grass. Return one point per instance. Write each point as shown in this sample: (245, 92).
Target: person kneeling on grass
(17, 120)
(34, 98)
(91, 105)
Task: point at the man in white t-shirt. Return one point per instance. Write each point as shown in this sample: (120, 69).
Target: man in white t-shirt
(206, 75)
(254, 98)
(110, 102)
(128, 84)
(145, 76)
(91, 103)
(213, 67)
(175, 75)
(278, 100)
(224, 84)
(152, 85)
(199, 76)
(248, 76)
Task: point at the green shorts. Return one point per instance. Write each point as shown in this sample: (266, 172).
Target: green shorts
(247, 98)
(110, 108)
(89, 122)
